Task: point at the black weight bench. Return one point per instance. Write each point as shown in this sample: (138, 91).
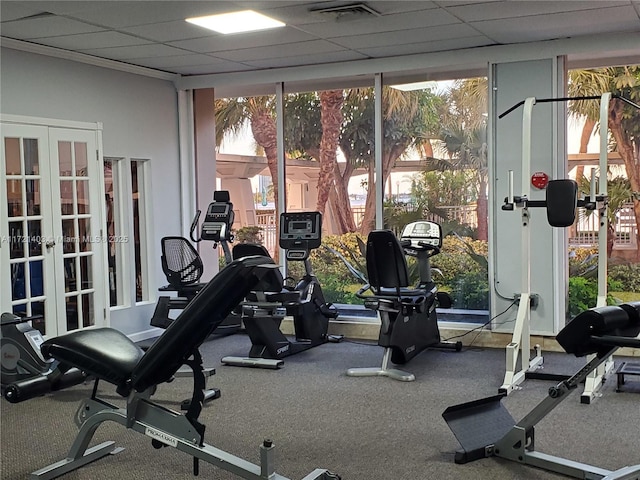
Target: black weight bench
(107, 354)
(485, 428)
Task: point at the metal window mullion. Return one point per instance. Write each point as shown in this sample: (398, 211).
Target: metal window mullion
(378, 139)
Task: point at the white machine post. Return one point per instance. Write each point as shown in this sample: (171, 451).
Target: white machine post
(595, 379)
(520, 345)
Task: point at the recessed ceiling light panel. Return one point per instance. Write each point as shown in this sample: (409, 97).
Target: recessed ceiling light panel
(236, 22)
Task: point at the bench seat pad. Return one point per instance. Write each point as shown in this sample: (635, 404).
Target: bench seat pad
(105, 353)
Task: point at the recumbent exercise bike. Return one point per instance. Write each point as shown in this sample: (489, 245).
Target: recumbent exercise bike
(183, 266)
(408, 317)
(264, 310)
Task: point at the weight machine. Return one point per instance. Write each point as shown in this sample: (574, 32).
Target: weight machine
(485, 428)
(110, 356)
(561, 203)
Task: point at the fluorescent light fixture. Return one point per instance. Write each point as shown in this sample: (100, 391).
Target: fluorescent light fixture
(406, 87)
(235, 22)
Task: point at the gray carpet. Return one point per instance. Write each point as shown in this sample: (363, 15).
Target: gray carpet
(360, 428)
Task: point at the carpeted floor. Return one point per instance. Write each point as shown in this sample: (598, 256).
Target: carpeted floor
(360, 428)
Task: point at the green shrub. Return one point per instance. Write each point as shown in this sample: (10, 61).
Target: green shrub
(583, 294)
(462, 270)
(471, 291)
(252, 234)
(627, 275)
(338, 284)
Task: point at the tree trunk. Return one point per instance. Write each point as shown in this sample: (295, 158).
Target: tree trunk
(331, 119)
(427, 149)
(263, 128)
(625, 148)
(388, 158)
(368, 219)
(342, 201)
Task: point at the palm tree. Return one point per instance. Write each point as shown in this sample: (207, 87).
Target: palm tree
(410, 120)
(467, 150)
(624, 120)
(313, 123)
(232, 114)
(331, 116)
(463, 137)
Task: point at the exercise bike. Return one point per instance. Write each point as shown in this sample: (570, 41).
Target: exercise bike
(183, 266)
(25, 373)
(263, 311)
(408, 317)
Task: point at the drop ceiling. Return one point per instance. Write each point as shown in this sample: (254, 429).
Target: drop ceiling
(153, 34)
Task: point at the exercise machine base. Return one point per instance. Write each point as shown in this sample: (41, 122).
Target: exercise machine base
(166, 428)
(268, 363)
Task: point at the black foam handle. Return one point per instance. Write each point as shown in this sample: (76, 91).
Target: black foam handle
(29, 388)
(26, 389)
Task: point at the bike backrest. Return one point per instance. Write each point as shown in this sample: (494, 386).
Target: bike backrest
(180, 261)
(386, 263)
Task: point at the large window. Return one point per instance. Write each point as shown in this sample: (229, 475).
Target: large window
(623, 213)
(115, 237)
(330, 142)
(140, 237)
(434, 166)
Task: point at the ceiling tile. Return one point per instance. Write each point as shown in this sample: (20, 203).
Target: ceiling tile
(48, 26)
(342, 56)
(301, 13)
(225, 67)
(426, 47)
(280, 51)
(415, 35)
(10, 11)
(93, 40)
(128, 13)
(217, 42)
(188, 60)
(560, 25)
(138, 51)
(403, 21)
(497, 10)
(167, 31)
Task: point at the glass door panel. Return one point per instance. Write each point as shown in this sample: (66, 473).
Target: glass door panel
(27, 227)
(78, 226)
(51, 255)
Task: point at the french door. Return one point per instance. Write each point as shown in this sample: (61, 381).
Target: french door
(51, 248)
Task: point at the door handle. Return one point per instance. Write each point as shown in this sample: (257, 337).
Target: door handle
(50, 244)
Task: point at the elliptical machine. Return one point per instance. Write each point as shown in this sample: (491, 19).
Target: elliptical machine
(183, 266)
(263, 312)
(409, 322)
(25, 373)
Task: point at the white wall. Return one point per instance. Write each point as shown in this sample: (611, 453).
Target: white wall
(140, 120)
(546, 258)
